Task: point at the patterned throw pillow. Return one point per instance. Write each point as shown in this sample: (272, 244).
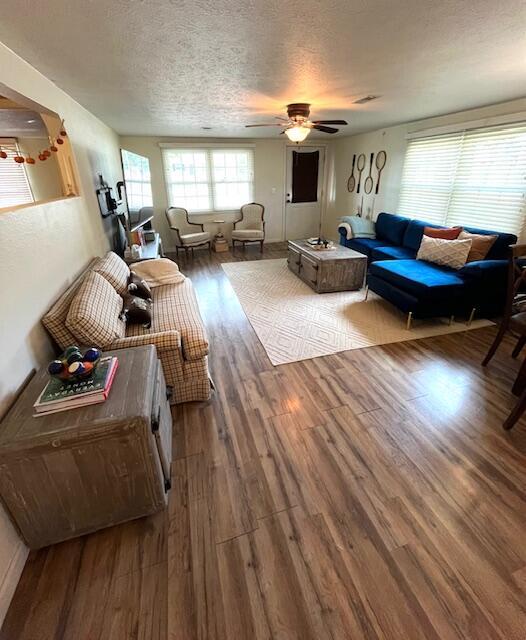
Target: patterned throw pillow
(94, 314)
(115, 270)
(480, 245)
(448, 253)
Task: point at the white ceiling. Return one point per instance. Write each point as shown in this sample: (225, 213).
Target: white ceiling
(170, 67)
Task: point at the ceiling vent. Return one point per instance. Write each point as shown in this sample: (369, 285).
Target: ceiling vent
(365, 99)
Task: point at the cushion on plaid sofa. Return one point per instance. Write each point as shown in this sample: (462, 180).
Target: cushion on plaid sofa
(94, 314)
(115, 271)
(55, 318)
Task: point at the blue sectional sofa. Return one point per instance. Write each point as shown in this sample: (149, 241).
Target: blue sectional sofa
(426, 289)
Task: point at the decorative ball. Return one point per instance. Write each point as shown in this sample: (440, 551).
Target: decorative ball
(53, 148)
(56, 367)
(42, 157)
(76, 368)
(88, 367)
(91, 355)
(30, 160)
(59, 141)
(19, 159)
(3, 155)
(76, 356)
(47, 153)
(71, 349)
(63, 133)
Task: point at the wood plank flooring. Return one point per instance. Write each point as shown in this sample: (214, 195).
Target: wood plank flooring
(370, 494)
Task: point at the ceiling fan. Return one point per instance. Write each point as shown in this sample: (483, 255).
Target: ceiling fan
(297, 125)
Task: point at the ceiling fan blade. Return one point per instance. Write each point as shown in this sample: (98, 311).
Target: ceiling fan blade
(325, 129)
(271, 124)
(329, 122)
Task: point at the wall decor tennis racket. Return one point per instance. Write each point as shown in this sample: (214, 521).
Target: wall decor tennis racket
(368, 184)
(351, 182)
(360, 165)
(381, 159)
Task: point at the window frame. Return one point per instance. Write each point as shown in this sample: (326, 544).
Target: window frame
(470, 171)
(127, 181)
(211, 182)
(10, 145)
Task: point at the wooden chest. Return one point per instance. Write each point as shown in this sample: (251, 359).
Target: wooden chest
(340, 269)
(71, 473)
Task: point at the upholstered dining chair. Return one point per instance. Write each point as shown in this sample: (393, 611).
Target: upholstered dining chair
(251, 226)
(188, 235)
(514, 321)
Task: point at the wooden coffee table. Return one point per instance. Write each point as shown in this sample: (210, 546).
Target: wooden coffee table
(338, 269)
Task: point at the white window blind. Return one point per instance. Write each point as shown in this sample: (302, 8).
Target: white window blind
(137, 177)
(14, 185)
(209, 179)
(472, 178)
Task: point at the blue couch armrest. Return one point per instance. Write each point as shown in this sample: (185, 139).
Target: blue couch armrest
(486, 288)
(494, 269)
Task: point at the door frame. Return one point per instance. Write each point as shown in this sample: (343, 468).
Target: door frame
(324, 146)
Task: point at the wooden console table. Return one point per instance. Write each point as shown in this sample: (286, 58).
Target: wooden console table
(71, 473)
(339, 269)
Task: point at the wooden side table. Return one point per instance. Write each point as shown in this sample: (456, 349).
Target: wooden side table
(71, 473)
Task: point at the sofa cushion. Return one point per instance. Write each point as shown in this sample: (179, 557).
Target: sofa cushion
(115, 271)
(248, 234)
(480, 245)
(94, 314)
(448, 253)
(499, 251)
(391, 228)
(421, 279)
(449, 233)
(194, 239)
(55, 318)
(392, 253)
(364, 245)
(415, 231)
(175, 307)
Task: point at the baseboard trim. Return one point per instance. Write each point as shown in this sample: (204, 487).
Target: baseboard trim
(10, 580)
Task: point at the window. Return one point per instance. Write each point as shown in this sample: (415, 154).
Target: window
(14, 185)
(473, 178)
(136, 170)
(209, 179)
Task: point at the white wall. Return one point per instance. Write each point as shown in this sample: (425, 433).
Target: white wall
(43, 247)
(393, 141)
(269, 175)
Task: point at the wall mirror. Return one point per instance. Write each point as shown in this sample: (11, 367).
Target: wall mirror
(36, 160)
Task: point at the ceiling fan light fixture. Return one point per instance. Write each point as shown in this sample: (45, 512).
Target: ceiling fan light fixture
(297, 133)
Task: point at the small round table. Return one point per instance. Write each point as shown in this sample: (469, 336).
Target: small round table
(220, 243)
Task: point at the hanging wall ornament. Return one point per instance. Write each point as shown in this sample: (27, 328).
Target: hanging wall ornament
(30, 160)
(62, 130)
(47, 153)
(42, 156)
(59, 141)
(3, 154)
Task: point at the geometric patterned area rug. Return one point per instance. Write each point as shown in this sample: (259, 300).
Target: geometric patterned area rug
(294, 323)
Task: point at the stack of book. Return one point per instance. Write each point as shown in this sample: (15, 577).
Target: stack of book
(61, 396)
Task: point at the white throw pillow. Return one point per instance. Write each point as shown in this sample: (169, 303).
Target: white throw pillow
(448, 253)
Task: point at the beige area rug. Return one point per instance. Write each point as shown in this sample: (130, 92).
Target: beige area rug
(295, 323)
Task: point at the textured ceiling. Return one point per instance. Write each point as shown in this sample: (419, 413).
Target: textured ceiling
(171, 67)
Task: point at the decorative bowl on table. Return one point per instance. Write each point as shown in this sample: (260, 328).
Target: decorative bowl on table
(74, 365)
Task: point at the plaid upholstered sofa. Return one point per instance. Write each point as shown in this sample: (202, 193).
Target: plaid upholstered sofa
(88, 313)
